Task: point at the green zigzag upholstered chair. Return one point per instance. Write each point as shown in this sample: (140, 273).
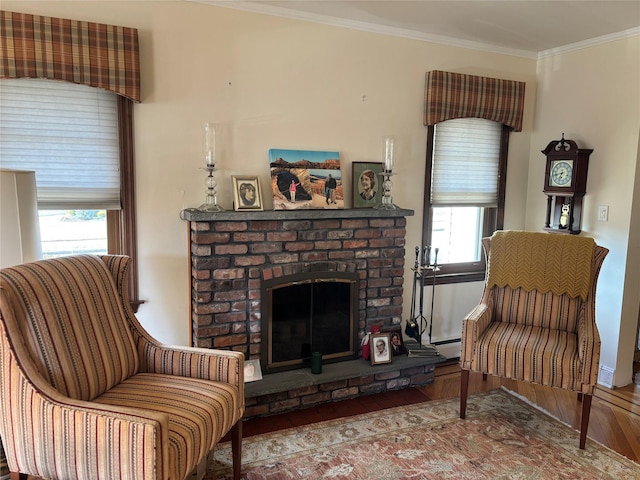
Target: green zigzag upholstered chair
(536, 319)
(86, 393)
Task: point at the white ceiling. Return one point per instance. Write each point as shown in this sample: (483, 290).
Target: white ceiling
(517, 27)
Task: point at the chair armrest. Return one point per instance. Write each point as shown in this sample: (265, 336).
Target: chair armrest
(587, 329)
(473, 325)
(218, 365)
(588, 347)
(106, 442)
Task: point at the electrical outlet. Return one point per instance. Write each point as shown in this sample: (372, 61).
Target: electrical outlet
(603, 213)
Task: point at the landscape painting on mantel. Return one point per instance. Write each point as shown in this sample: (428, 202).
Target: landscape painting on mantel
(305, 179)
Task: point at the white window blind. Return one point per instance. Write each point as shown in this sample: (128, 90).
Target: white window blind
(67, 134)
(466, 155)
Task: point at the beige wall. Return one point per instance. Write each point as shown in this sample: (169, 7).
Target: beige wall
(593, 96)
(272, 82)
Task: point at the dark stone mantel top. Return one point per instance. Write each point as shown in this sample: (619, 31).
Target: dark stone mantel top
(195, 215)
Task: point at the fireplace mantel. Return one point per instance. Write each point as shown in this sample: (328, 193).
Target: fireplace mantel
(195, 215)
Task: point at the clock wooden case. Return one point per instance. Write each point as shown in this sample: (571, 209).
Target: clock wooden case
(565, 184)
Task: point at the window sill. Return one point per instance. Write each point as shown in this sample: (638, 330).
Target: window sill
(447, 278)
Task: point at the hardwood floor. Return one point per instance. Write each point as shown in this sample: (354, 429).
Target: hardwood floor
(615, 414)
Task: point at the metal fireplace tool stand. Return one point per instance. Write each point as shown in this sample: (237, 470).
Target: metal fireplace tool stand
(417, 323)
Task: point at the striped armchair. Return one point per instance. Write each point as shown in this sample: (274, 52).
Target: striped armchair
(86, 393)
(536, 319)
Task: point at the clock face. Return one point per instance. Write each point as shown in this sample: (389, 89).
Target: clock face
(561, 173)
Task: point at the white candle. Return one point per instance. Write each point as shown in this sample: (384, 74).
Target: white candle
(209, 143)
(389, 153)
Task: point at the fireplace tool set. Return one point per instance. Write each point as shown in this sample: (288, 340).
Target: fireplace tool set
(417, 323)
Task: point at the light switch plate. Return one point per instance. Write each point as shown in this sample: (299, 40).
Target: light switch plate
(603, 213)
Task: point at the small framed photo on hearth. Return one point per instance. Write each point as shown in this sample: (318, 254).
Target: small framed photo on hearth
(366, 188)
(246, 193)
(252, 371)
(396, 342)
(380, 348)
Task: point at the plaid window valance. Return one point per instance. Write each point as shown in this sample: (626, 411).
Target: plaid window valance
(86, 53)
(455, 95)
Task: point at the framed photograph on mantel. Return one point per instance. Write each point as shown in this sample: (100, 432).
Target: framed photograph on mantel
(246, 193)
(366, 189)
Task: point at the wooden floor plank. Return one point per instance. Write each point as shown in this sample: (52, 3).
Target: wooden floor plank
(631, 429)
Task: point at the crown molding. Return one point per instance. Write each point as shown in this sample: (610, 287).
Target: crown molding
(256, 7)
(592, 42)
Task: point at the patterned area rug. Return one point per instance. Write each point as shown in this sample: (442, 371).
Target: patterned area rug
(503, 437)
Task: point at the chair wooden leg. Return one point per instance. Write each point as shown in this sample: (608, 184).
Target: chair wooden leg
(584, 426)
(201, 469)
(236, 449)
(464, 390)
(18, 476)
(484, 377)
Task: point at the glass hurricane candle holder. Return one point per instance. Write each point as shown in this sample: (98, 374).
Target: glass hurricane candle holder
(209, 150)
(387, 184)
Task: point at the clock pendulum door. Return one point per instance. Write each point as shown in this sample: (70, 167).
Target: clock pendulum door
(562, 213)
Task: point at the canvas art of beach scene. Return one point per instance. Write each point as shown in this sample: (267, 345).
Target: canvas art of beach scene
(305, 179)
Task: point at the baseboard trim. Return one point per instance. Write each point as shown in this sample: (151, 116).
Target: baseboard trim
(605, 376)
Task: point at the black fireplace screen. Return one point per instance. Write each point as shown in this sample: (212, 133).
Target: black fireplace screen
(305, 315)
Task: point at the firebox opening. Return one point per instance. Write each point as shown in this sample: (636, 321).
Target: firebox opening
(305, 313)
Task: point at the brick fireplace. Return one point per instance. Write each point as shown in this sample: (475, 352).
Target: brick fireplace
(233, 253)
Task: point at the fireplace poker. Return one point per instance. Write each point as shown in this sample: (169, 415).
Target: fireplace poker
(416, 267)
(411, 329)
(422, 325)
(433, 290)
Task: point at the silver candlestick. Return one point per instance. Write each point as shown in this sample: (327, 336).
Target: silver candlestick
(387, 199)
(211, 202)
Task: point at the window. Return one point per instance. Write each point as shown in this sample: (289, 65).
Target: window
(455, 231)
(78, 140)
(110, 61)
(469, 119)
(68, 135)
(464, 194)
(69, 232)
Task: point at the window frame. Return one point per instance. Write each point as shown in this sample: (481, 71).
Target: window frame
(493, 217)
(121, 224)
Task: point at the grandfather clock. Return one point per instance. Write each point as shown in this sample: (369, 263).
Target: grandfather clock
(565, 184)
